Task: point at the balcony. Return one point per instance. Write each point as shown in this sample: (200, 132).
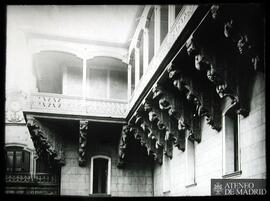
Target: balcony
(74, 105)
(24, 183)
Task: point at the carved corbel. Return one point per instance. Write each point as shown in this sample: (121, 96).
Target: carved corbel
(156, 123)
(215, 11)
(153, 136)
(44, 148)
(204, 61)
(83, 142)
(138, 132)
(195, 132)
(158, 155)
(192, 94)
(177, 135)
(243, 28)
(165, 124)
(169, 141)
(123, 146)
(175, 108)
(143, 133)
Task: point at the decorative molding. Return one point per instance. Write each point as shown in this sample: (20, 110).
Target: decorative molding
(43, 178)
(16, 101)
(44, 148)
(83, 142)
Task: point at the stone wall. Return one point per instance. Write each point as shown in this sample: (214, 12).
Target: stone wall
(208, 153)
(18, 134)
(135, 179)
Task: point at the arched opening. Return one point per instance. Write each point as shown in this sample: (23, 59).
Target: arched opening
(106, 78)
(58, 72)
(151, 36)
(231, 141)
(100, 175)
(164, 22)
(17, 160)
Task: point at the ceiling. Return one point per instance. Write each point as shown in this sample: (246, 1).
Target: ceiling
(105, 23)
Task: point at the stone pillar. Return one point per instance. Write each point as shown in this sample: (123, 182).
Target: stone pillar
(157, 28)
(84, 78)
(145, 49)
(64, 80)
(137, 66)
(129, 81)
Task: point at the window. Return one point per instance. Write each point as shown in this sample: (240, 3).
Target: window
(190, 162)
(141, 55)
(100, 175)
(164, 21)
(166, 174)
(132, 62)
(151, 37)
(230, 142)
(18, 160)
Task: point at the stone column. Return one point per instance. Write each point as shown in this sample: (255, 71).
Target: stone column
(129, 81)
(137, 66)
(157, 29)
(145, 49)
(84, 78)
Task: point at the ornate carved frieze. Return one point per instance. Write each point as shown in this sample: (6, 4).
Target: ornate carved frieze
(83, 142)
(42, 145)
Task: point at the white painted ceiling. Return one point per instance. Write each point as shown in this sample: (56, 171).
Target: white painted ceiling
(105, 23)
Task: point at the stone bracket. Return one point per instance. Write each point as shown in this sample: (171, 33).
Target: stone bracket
(123, 146)
(176, 108)
(194, 90)
(44, 148)
(83, 142)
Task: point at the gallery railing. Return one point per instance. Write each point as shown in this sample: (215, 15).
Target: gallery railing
(39, 183)
(58, 103)
(39, 178)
